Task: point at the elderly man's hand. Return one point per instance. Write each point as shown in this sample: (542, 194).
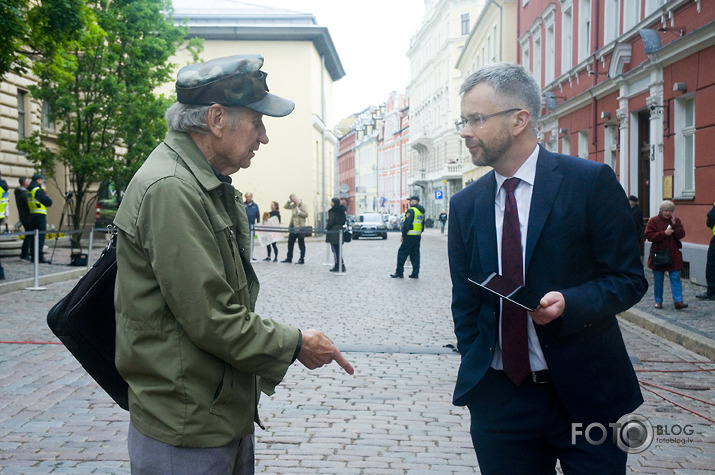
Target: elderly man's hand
(318, 350)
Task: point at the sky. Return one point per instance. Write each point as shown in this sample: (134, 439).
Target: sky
(372, 38)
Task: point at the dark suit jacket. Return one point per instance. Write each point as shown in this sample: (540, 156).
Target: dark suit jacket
(581, 242)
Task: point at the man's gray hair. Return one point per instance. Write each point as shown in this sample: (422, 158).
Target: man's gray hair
(194, 118)
(513, 85)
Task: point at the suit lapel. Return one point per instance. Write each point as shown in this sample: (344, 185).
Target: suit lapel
(546, 186)
(485, 226)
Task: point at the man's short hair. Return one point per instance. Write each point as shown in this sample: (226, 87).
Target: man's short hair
(192, 118)
(513, 86)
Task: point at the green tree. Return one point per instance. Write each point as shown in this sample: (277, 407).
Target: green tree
(100, 89)
(34, 29)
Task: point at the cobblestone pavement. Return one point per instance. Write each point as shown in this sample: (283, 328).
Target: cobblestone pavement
(394, 416)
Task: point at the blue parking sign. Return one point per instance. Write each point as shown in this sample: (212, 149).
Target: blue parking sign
(438, 194)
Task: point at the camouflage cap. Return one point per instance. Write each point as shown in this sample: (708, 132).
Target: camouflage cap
(230, 81)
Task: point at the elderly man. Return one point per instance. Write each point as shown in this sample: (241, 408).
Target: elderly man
(562, 227)
(189, 343)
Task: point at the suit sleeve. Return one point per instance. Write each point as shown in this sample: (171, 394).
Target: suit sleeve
(466, 304)
(614, 279)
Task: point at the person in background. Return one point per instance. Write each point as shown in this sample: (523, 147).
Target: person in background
(277, 214)
(297, 221)
(665, 230)
(336, 221)
(637, 220)
(252, 211)
(38, 202)
(560, 226)
(189, 344)
(23, 210)
(709, 294)
(411, 237)
(442, 220)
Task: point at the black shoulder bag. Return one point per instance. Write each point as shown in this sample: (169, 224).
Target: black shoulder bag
(84, 322)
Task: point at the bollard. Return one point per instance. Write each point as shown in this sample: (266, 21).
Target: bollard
(89, 251)
(36, 263)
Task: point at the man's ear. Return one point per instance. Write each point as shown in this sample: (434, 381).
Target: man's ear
(520, 122)
(217, 120)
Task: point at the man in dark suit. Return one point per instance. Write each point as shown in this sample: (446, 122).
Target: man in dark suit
(529, 379)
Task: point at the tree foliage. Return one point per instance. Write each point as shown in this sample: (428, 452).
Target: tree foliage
(100, 89)
(31, 29)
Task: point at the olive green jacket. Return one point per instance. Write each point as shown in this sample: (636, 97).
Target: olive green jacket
(189, 344)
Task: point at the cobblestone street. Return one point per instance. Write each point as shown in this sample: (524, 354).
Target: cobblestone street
(394, 416)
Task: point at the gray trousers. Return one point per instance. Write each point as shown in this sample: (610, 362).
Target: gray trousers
(149, 456)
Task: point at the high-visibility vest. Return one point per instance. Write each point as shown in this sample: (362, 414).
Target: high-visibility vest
(35, 206)
(4, 200)
(419, 217)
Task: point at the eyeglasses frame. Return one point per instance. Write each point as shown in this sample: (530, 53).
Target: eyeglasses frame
(459, 124)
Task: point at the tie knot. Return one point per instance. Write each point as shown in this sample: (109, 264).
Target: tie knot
(510, 184)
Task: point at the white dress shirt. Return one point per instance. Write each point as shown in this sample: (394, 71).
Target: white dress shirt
(523, 192)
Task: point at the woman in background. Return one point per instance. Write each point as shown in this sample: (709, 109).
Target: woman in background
(266, 217)
(665, 232)
(336, 221)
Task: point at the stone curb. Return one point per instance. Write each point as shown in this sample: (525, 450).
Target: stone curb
(23, 284)
(686, 338)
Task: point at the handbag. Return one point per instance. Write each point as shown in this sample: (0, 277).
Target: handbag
(347, 235)
(662, 259)
(84, 322)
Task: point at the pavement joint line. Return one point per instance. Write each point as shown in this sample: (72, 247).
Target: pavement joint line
(692, 341)
(417, 350)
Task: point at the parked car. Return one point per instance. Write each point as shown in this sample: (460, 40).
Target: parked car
(369, 225)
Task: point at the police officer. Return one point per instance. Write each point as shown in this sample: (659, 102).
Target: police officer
(4, 200)
(411, 237)
(38, 201)
(23, 210)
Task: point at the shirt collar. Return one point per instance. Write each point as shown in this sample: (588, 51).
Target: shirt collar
(527, 171)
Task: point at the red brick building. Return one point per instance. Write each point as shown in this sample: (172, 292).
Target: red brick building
(630, 83)
(346, 169)
(392, 161)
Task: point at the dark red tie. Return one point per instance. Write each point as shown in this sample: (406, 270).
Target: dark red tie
(514, 344)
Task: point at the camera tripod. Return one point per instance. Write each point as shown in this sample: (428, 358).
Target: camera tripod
(66, 210)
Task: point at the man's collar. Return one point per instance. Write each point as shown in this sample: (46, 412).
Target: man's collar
(527, 171)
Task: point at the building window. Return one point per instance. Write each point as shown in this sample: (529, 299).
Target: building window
(525, 54)
(611, 148)
(611, 14)
(550, 54)
(537, 59)
(465, 23)
(652, 5)
(566, 145)
(47, 124)
(566, 37)
(583, 144)
(685, 147)
(21, 114)
(631, 15)
(584, 29)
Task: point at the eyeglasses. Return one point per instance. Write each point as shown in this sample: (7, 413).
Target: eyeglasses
(479, 120)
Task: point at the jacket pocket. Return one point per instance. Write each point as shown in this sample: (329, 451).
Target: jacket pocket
(224, 391)
(230, 253)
